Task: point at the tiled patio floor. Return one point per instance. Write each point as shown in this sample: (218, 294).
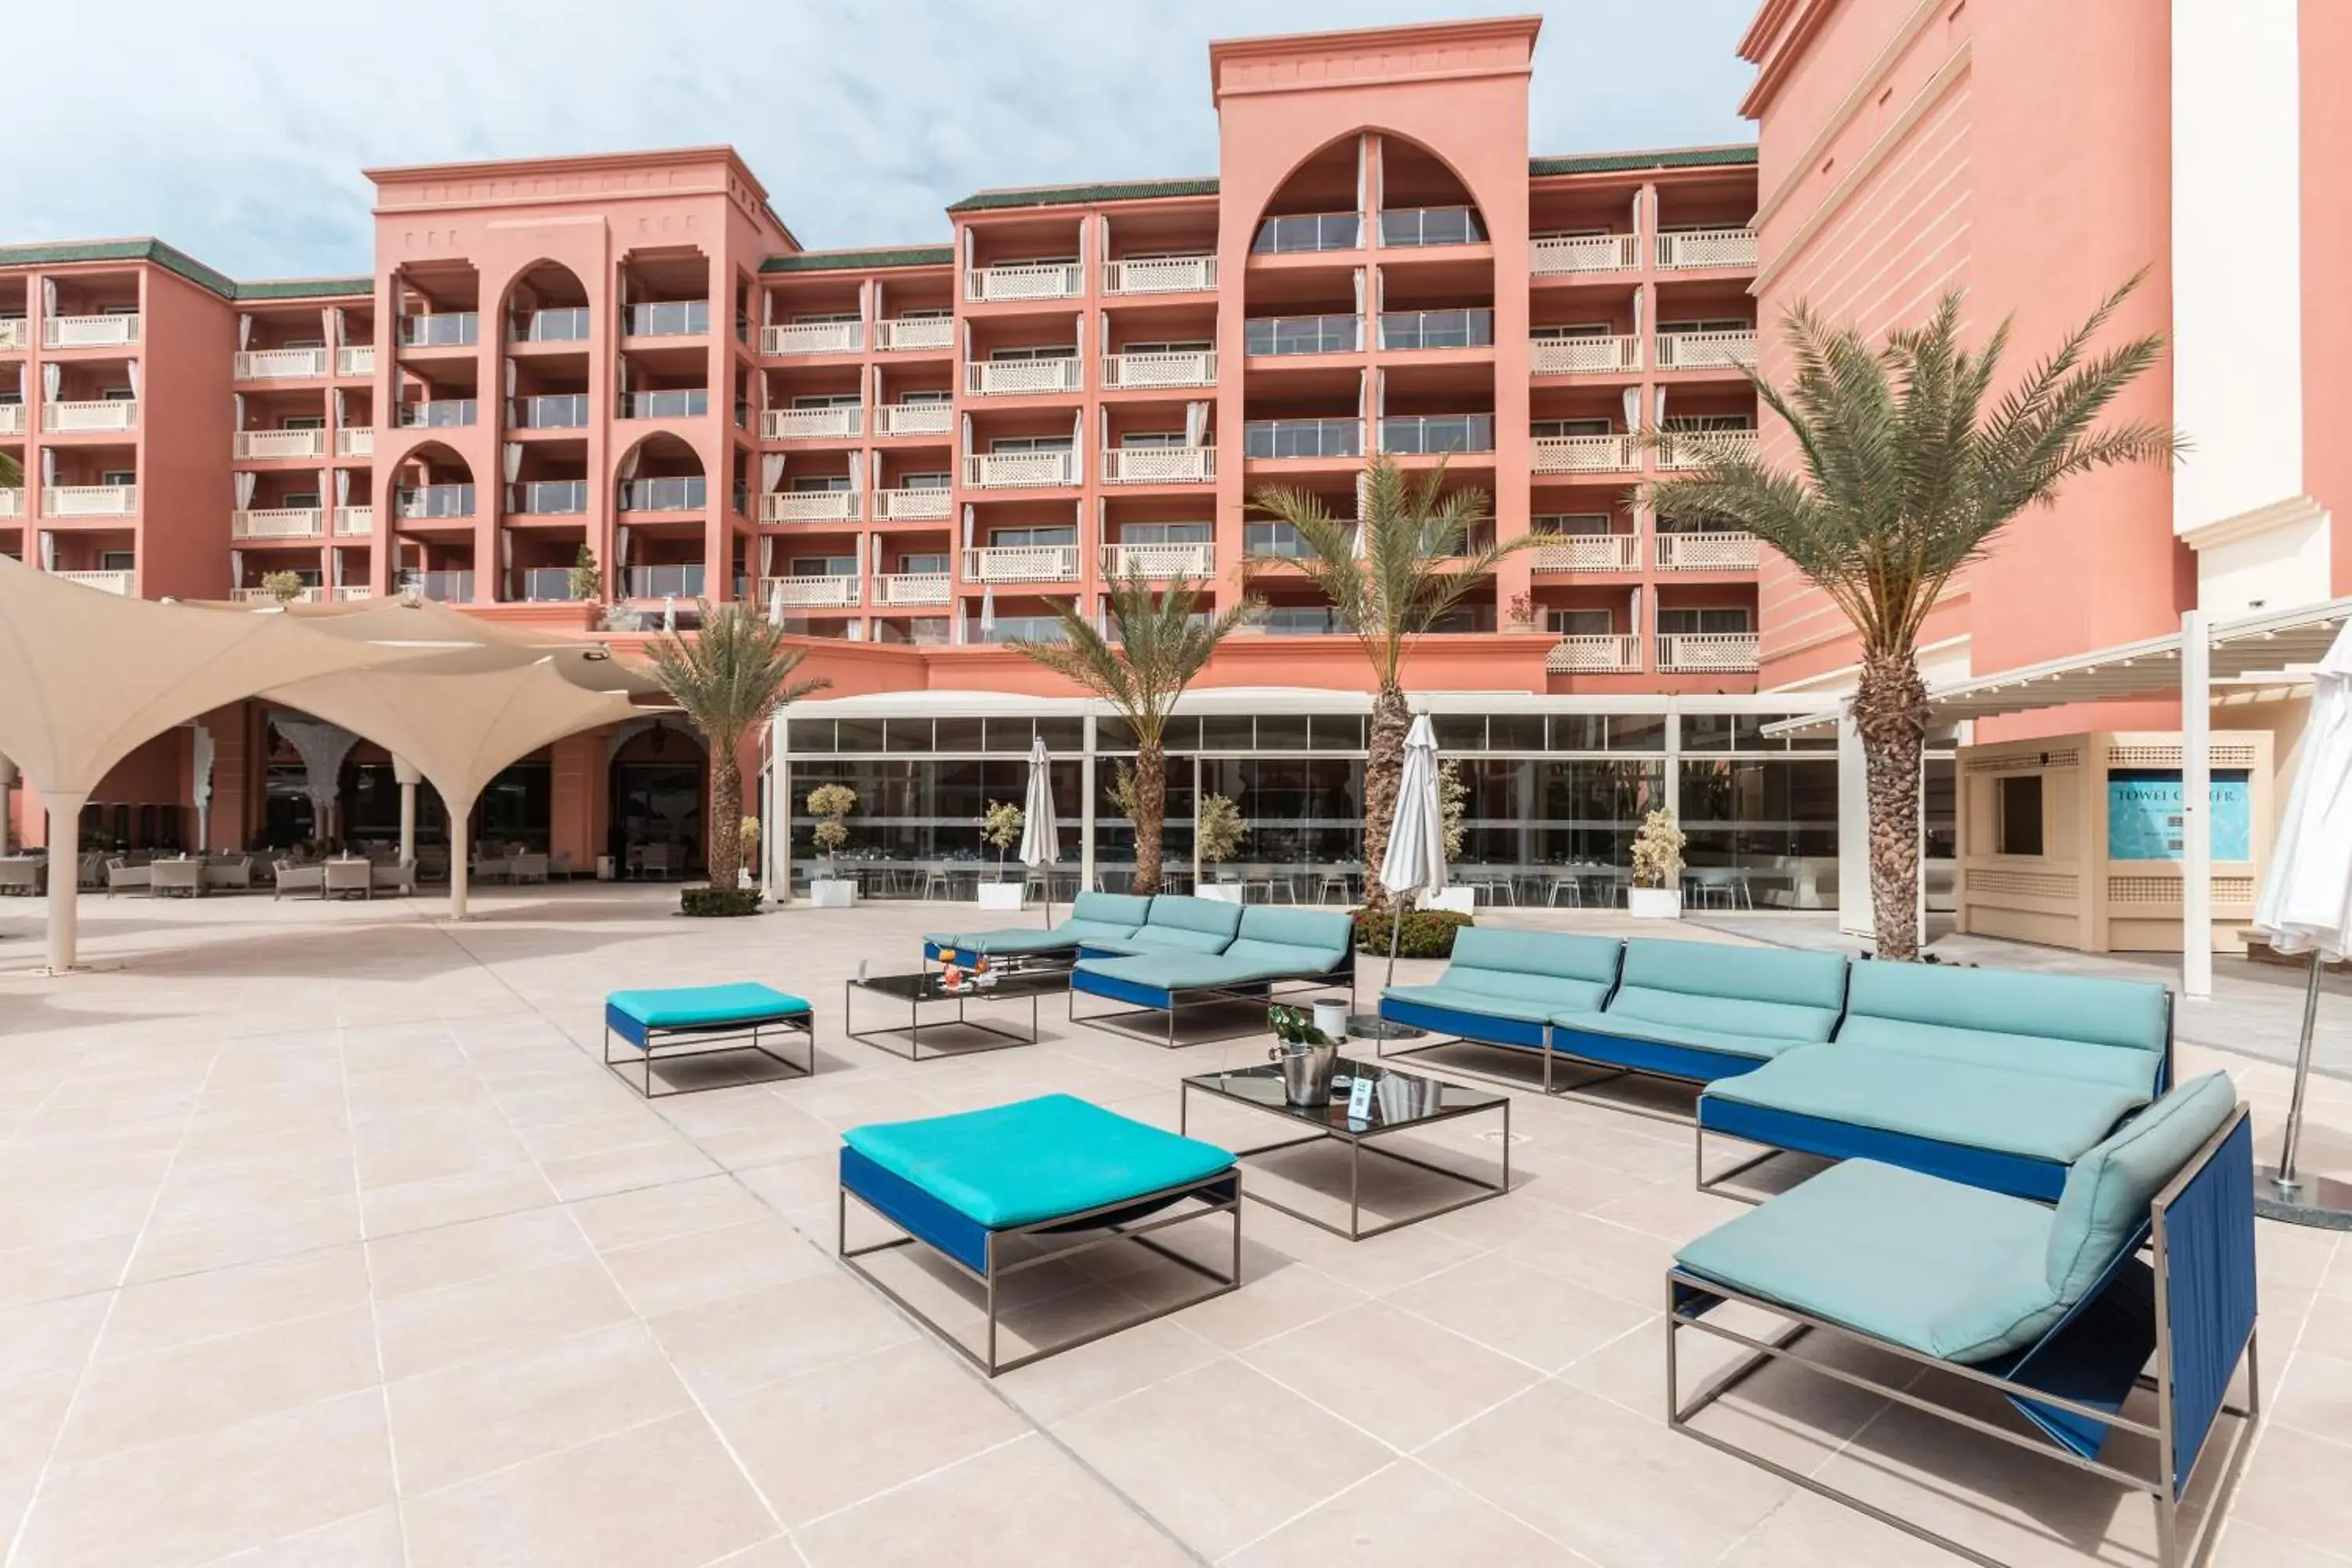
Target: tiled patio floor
(325, 1241)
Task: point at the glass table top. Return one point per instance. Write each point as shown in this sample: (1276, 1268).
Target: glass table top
(1398, 1099)
(926, 985)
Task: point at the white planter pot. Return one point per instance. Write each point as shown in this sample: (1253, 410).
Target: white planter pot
(1461, 900)
(1331, 1018)
(1222, 892)
(1001, 895)
(827, 893)
(1654, 903)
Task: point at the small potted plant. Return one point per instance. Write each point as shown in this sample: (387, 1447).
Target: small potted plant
(831, 806)
(1520, 616)
(586, 582)
(1453, 814)
(1001, 830)
(1308, 1057)
(283, 586)
(747, 834)
(1217, 834)
(1657, 890)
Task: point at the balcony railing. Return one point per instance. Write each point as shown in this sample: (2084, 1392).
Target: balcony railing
(1021, 563)
(813, 337)
(1697, 448)
(1409, 330)
(118, 583)
(566, 324)
(89, 501)
(1159, 465)
(914, 418)
(551, 498)
(915, 332)
(426, 502)
(354, 521)
(1605, 652)
(1303, 334)
(262, 444)
(12, 419)
(1706, 350)
(350, 592)
(1585, 253)
(662, 582)
(1121, 371)
(1018, 377)
(667, 318)
(356, 441)
(1431, 225)
(282, 364)
(1034, 281)
(109, 414)
(1707, 247)
(912, 588)
(1572, 356)
(551, 411)
(810, 506)
(683, 493)
(1729, 552)
(278, 522)
(1303, 439)
(1430, 434)
(1002, 471)
(1308, 231)
(309, 594)
(680, 403)
(90, 332)
(1587, 455)
(810, 593)
(541, 585)
(12, 501)
(1161, 275)
(1159, 560)
(1685, 652)
(13, 332)
(440, 414)
(1588, 552)
(921, 505)
(357, 359)
(442, 587)
(447, 330)
(813, 424)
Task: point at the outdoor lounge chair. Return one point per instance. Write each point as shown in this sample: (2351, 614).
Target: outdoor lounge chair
(122, 877)
(1271, 950)
(700, 1020)
(2055, 1309)
(387, 876)
(22, 875)
(298, 877)
(233, 871)
(1095, 918)
(992, 1192)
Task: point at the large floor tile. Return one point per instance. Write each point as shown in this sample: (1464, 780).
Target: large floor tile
(497, 1316)
(166, 1312)
(1405, 1516)
(1523, 1312)
(731, 1346)
(1402, 1378)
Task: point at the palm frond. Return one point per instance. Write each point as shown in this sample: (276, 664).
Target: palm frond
(1163, 641)
(732, 673)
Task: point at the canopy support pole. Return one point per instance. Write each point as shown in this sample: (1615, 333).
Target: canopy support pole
(405, 773)
(65, 876)
(2196, 808)
(460, 851)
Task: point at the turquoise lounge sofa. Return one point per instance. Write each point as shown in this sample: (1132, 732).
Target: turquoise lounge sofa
(1501, 988)
(1094, 917)
(2055, 1308)
(1193, 952)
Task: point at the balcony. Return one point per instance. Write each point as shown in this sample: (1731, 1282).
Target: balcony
(356, 441)
(1587, 455)
(278, 522)
(12, 419)
(1161, 275)
(354, 521)
(927, 504)
(1021, 563)
(450, 330)
(437, 414)
(1577, 356)
(90, 332)
(13, 334)
(813, 337)
(1409, 226)
(12, 501)
(667, 318)
(441, 588)
(551, 411)
(1013, 471)
(1308, 231)
(1594, 652)
(1415, 329)
(260, 444)
(1303, 335)
(1427, 435)
(1729, 552)
(1121, 371)
(813, 424)
(541, 585)
(424, 503)
(810, 593)
(309, 594)
(1697, 448)
(1706, 351)
(569, 324)
(1588, 552)
(1303, 439)
(662, 582)
(914, 418)
(1585, 253)
(89, 501)
(1022, 377)
(1029, 280)
(1686, 653)
(1159, 465)
(116, 583)
(1707, 247)
(810, 506)
(1159, 560)
(685, 493)
(552, 498)
(282, 364)
(358, 359)
(915, 332)
(109, 414)
(683, 403)
(912, 588)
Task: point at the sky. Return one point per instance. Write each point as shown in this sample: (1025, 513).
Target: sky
(236, 130)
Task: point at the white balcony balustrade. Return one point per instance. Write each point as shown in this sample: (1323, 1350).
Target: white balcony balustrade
(1588, 552)
(914, 419)
(12, 419)
(356, 441)
(811, 593)
(1022, 377)
(1707, 247)
(1697, 449)
(912, 588)
(354, 521)
(1021, 563)
(1159, 560)
(357, 359)
(1702, 652)
(12, 502)
(1706, 350)
(813, 337)
(90, 332)
(923, 504)
(1594, 652)
(1159, 465)
(350, 592)
(309, 594)
(1015, 470)
(813, 424)
(1161, 275)
(259, 445)
(809, 506)
(109, 414)
(1029, 280)
(13, 334)
(1124, 371)
(89, 501)
(1723, 552)
(1585, 253)
(282, 364)
(1587, 455)
(278, 522)
(117, 583)
(1576, 356)
(914, 332)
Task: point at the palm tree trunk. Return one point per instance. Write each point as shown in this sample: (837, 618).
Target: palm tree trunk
(1150, 814)
(726, 856)
(1890, 710)
(1383, 768)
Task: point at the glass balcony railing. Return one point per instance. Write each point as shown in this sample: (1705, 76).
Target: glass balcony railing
(1435, 433)
(1028, 628)
(1309, 231)
(664, 495)
(552, 411)
(436, 501)
(664, 582)
(550, 498)
(453, 329)
(1303, 334)
(1432, 226)
(667, 318)
(1303, 439)
(445, 588)
(684, 402)
(569, 325)
(1301, 621)
(542, 584)
(1472, 328)
(1277, 540)
(441, 414)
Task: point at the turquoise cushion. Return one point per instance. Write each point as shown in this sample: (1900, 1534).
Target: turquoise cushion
(1206, 917)
(2123, 1066)
(2124, 1014)
(2107, 1193)
(1194, 971)
(1468, 999)
(1732, 1042)
(1950, 1271)
(1548, 969)
(1321, 929)
(1008, 940)
(1789, 977)
(1171, 938)
(1641, 1007)
(1035, 1158)
(693, 1006)
(2028, 1114)
(1112, 908)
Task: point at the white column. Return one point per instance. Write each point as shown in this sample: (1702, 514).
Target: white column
(7, 787)
(459, 811)
(1854, 914)
(2196, 809)
(405, 773)
(1087, 804)
(65, 876)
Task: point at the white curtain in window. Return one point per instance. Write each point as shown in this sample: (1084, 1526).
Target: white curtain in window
(1360, 292)
(343, 410)
(669, 614)
(967, 435)
(1662, 408)
(48, 464)
(768, 556)
(1364, 494)
(988, 611)
(1632, 408)
(342, 487)
(325, 481)
(856, 473)
(237, 568)
(244, 333)
(772, 469)
(245, 482)
(1078, 447)
(49, 551)
(48, 295)
(1104, 323)
(1637, 212)
(621, 546)
(511, 369)
(333, 325)
(512, 459)
(335, 565)
(130, 373)
(506, 549)
(865, 302)
(1082, 247)
(53, 376)
(1640, 298)
(1196, 422)
(1633, 614)
(776, 604)
(237, 405)
(1078, 336)
(1380, 394)
(767, 308)
(629, 463)
(966, 525)
(1363, 171)
(874, 390)
(877, 553)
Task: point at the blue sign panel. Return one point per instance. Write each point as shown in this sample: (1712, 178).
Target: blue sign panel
(2144, 814)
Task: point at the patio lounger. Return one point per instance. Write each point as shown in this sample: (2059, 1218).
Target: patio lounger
(228, 871)
(23, 876)
(122, 877)
(701, 1020)
(2056, 1309)
(293, 877)
(1094, 917)
(1703, 1011)
(387, 876)
(990, 1191)
(1273, 951)
(1173, 923)
(1501, 987)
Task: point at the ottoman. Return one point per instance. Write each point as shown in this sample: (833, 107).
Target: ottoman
(699, 1020)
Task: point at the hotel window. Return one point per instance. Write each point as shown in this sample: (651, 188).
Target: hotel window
(1165, 533)
(1580, 623)
(824, 566)
(1030, 444)
(821, 484)
(827, 400)
(1020, 537)
(925, 399)
(924, 481)
(119, 394)
(303, 343)
(302, 421)
(300, 500)
(1542, 429)
(1732, 622)
(115, 561)
(1580, 523)
(1710, 421)
(1726, 324)
(1043, 351)
(2018, 809)
(927, 313)
(923, 565)
(1168, 348)
(118, 475)
(1147, 440)
(1563, 331)
(1036, 261)
(825, 318)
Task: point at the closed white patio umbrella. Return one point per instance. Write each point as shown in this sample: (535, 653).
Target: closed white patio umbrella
(2306, 907)
(1415, 859)
(1041, 830)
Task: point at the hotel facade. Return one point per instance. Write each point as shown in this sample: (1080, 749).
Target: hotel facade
(584, 393)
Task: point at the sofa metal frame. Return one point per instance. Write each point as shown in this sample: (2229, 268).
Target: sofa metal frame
(2192, 1304)
(671, 1041)
(1144, 1001)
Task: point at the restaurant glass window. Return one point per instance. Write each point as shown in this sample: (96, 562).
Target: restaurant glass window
(1760, 831)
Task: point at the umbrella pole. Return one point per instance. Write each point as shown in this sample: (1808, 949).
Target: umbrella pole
(2288, 1187)
(1396, 923)
(2284, 1192)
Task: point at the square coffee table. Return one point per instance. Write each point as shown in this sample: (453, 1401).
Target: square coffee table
(1402, 1102)
(925, 988)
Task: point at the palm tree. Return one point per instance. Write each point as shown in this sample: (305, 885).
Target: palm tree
(727, 677)
(1389, 573)
(1159, 644)
(1908, 471)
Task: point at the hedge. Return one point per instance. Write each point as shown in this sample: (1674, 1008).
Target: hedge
(713, 902)
(1427, 933)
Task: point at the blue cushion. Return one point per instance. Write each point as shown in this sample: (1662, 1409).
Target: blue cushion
(1784, 976)
(1463, 999)
(1035, 1159)
(1730, 1041)
(1550, 970)
(2109, 1191)
(2128, 1015)
(705, 1006)
(1211, 918)
(1198, 970)
(1947, 1270)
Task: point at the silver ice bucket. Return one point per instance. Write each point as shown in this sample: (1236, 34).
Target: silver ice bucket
(1306, 1072)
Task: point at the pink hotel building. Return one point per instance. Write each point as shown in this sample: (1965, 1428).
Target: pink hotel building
(625, 369)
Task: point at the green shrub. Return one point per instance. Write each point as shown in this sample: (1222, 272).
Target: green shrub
(711, 901)
(1427, 933)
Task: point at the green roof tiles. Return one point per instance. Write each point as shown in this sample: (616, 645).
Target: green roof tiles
(306, 287)
(861, 260)
(172, 259)
(1083, 196)
(1620, 163)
